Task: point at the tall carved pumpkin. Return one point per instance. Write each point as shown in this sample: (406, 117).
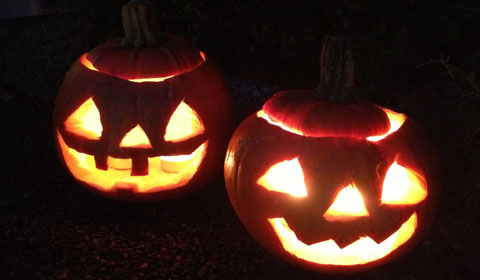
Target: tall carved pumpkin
(144, 117)
(330, 182)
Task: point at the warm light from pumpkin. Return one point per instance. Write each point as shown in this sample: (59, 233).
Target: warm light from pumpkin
(85, 121)
(136, 138)
(361, 251)
(174, 164)
(263, 115)
(183, 124)
(164, 172)
(118, 174)
(87, 63)
(347, 205)
(396, 121)
(403, 186)
(285, 177)
(203, 55)
(152, 80)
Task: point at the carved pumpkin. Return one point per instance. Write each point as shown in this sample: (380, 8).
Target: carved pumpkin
(327, 181)
(143, 117)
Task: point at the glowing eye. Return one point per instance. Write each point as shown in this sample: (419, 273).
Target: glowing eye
(403, 186)
(136, 138)
(347, 205)
(184, 124)
(285, 177)
(85, 121)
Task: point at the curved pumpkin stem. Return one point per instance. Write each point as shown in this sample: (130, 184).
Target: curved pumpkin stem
(138, 23)
(336, 71)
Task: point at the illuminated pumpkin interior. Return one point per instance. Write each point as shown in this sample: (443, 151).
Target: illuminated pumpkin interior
(164, 172)
(396, 121)
(263, 115)
(183, 124)
(347, 205)
(85, 121)
(361, 251)
(89, 65)
(285, 177)
(403, 186)
(136, 138)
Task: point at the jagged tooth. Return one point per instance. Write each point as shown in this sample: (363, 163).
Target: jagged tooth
(345, 240)
(139, 165)
(309, 230)
(310, 239)
(379, 235)
(101, 162)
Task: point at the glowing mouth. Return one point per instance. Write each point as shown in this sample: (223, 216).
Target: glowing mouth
(362, 251)
(165, 172)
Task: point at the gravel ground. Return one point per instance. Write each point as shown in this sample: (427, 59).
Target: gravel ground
(54, 229)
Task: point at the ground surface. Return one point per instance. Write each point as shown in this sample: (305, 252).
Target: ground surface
(52, 228)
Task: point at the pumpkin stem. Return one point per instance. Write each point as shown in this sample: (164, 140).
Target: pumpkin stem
(138, 23)
(336, 71)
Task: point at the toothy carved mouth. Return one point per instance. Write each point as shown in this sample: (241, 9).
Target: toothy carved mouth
(363, 250)
(165, 172)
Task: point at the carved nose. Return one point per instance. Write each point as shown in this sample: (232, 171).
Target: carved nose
(347, 206)
(136, 138)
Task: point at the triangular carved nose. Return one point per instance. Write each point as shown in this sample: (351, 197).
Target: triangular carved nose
(347, 205)
(135, 138)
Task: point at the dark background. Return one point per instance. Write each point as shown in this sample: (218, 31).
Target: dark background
(417, 57)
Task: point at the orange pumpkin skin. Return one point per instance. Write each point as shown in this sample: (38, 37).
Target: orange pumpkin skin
(333, 149)
(173, 73)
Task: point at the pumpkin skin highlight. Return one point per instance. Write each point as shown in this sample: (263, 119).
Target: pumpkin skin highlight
(139, 89)
(331, 157)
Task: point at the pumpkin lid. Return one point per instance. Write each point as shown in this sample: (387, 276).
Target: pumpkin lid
(331, 109)
(144, 52)
(301, 111)
(172, 56)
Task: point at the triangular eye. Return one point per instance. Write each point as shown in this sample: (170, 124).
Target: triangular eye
(347, 205)
(285, 177)
(183, 124)
(136, 138)
(85, 121)
(402, 186)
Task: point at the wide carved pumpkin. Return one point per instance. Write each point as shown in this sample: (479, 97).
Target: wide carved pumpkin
(144, 117)
(330, 182)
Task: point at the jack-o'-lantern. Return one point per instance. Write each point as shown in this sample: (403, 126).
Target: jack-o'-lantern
(144, 117)
(330, 182)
